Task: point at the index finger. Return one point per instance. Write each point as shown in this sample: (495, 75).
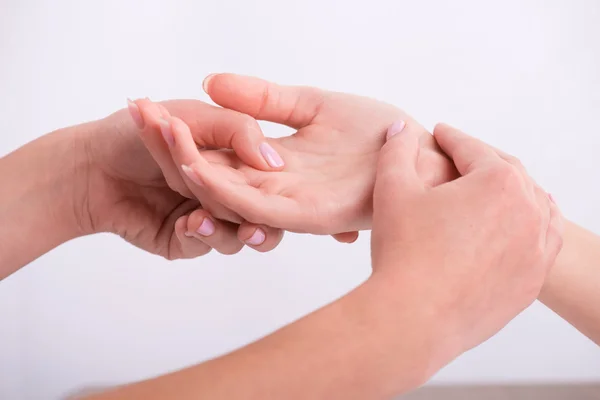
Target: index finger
(222, 128)
(466, 152)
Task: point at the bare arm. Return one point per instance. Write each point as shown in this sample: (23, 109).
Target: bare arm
(572, 288)
(356, 347)
(36, 194)
(437, 288)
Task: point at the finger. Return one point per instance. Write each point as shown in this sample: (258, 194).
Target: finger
(346, 237)
(466, 152)
(249, 202)
(294, 106)
(156, 141)
(260, 237)
(190, 247)
(215, 127)
(220, 235)
(397, 167)
(184, 152)
(554, 235)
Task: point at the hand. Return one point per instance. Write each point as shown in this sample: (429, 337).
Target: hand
(123, 190)
(471, 253)
(330, 162)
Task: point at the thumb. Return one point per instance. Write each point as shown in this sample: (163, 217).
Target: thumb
(397, 169)
(294, 106)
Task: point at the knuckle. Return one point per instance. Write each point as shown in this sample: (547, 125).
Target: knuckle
(506, 179)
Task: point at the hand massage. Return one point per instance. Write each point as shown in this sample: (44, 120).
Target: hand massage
(462, 238)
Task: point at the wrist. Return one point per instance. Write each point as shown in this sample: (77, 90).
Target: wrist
(39, 195)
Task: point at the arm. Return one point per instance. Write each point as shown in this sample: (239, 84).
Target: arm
(437, 289)
(38, 211)
(99, 177)
(357, 347)
(572, 288)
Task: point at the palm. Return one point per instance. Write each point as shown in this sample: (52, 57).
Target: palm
(331, 162)
(129, 195)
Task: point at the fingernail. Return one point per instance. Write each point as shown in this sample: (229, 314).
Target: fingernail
(270, 155)
(257, 238)
(192, 175)
(136, 115)
(207, 227)
(551, 198)
(396, 128)
(188, 234)
(167, 132)
(206, 82)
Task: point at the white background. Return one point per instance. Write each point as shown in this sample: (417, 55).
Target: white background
(523, 75)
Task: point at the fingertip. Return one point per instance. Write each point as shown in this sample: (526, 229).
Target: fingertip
(257, 237)
(440, 127)
(192, 175)
(346, 237)
(206, 83)
(135, 113)
(201, 223)
(163, 111)
(271, 156)
(395, 128)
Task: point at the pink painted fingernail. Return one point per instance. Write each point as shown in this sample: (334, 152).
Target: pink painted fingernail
(396, 128)
(206, 82)
(167, 132)
(207, 227)
(257, 238)
(270, 155)
(192, 175)
(135, 113)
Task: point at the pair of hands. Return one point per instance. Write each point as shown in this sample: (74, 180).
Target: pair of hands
(325, 187)
(476, 248)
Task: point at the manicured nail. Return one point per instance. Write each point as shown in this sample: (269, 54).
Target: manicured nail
(167, 132)
(270, 155)
(136, 115)
(257, 238)
(207, 227)
(207, 82)
(396, 128)
(192, 175)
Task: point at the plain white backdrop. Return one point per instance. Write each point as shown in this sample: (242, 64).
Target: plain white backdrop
(522, 75)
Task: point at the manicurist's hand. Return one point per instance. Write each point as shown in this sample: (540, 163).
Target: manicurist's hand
(105, 176)
(469, 254)
(130, 190)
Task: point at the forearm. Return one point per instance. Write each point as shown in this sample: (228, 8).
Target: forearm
(37, 199)
(572, 288)
(350, 349)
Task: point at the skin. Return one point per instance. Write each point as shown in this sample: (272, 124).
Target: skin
(326, 185)
(312, 357)
(416, 312)
(572, 288)
(100, 177)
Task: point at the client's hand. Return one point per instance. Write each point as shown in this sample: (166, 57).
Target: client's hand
(468, 255)
(330, 162)
(123, 190)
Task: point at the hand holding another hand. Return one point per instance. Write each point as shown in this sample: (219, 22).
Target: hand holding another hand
(468, 254)
(327, 182)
